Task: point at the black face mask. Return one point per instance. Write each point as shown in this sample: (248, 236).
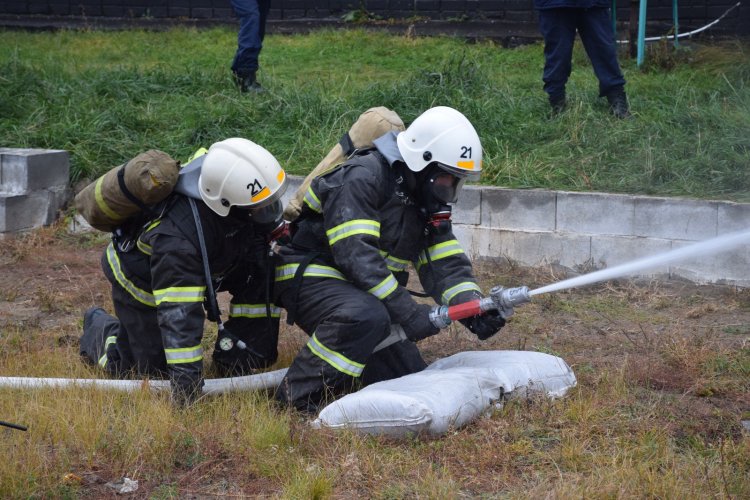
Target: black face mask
(438, 189)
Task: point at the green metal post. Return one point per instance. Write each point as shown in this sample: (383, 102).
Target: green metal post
(614, 17)
(641, 33)
(676, 22)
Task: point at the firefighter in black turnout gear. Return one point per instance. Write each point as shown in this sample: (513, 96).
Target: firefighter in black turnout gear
(231, 194)
(342, 279)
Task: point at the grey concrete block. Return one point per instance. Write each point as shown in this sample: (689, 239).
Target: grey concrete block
(595, 213)
(468, 210)
(533, 249)
(30, 210)
(733, 217)
(516, 209)
(612, 251)
(675, 219)
(26, 170)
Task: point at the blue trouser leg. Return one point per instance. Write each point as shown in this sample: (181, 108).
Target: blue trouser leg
(558, 27)
(252, 15)
(595, 30)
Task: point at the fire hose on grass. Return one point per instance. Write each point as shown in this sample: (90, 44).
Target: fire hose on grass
(500, 299)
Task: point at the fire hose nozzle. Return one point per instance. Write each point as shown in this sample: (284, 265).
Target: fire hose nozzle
(439, 317)
(505, 299)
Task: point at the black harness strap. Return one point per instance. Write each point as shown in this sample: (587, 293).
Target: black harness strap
(128, 194)
(212, 302)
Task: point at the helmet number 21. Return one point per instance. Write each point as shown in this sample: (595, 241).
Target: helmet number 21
(465, 152)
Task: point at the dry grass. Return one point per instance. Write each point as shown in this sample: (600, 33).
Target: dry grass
(663, 370)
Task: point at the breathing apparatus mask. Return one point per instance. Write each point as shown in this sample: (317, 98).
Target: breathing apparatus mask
(438, 188)
(267, 219)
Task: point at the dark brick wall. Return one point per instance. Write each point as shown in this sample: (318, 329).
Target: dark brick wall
(692, 13)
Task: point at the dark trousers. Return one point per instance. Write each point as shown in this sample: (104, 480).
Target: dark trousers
(558, 27)
(345, 324)
(252, 15)
(130, 344)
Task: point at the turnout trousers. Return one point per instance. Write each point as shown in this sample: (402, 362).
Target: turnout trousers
(558, 27)
(130, 343)
(344, 324)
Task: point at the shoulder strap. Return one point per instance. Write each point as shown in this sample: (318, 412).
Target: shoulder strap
(212, 302)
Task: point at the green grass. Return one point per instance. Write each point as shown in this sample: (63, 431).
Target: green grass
(106, 96)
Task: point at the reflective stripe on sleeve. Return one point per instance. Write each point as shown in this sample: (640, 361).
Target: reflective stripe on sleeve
(394, 263)
(141, 296)
(110, 340)
(335, 359)
(351, 228)
(384, 288)
(183, 355)
(287, 272)
(441, 251)
(180, 294)
(312, 201)
(466, 286)
(253, 311)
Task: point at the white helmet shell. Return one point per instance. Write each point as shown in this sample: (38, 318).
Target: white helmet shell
(238, 172)
(444, 135)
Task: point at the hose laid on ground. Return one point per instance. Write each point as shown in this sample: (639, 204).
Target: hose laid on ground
(689, 33)
(259, 381)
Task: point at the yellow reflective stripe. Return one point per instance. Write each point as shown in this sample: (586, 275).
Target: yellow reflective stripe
(312, 201)
(144, 248)
(141, 296)
(441, 251)
(180, 294)
(253, 311)
(101, 203)
(394, 263)
(287, 272)
(152, 225)
(356, 226)
(384, 288)
(183, 355)
(466, 286)
(110, 340)
(197, 154)
(335, 359)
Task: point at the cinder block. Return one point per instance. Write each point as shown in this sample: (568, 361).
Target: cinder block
(30, 210)
(468, 210)
(675, 219)
(517, 209)
(612, 251)
(533, 249)
(26, 170)
(595, 213)
(733, 217)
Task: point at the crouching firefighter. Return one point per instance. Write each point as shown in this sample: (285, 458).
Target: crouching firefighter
(211, 234)
(342, 278)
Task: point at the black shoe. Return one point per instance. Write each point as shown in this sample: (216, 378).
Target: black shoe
(247, 83)
(618, 104)
(558, 104)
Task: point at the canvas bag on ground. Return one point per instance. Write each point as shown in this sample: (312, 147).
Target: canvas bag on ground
(370, 125)
(108, 202)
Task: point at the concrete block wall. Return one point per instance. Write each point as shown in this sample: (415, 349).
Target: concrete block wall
(582, 232)
(33, 187)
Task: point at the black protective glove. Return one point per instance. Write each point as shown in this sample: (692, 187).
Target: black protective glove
(486, 325)
(418, 325)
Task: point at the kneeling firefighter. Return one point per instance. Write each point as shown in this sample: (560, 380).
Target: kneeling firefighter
(211, 234)
(342, 278)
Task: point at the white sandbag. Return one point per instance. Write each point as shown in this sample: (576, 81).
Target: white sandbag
(527, 370)
(450, 393)
(430, 402)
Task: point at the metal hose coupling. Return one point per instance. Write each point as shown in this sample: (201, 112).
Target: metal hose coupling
(505, 299)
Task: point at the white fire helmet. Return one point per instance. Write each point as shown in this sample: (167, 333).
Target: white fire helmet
(239, 173)
(445, 136)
